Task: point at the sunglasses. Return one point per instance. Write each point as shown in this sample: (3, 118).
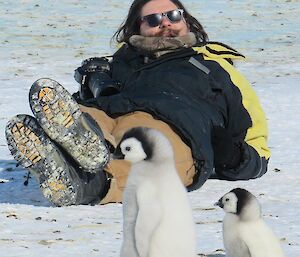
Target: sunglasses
(155, 19)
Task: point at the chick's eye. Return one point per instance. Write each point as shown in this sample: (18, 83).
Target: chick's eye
(227, 199)
(127, 148)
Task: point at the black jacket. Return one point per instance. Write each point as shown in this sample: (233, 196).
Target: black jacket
(190, 94)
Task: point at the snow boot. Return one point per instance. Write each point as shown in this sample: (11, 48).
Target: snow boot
(60, 117)
(59, 181)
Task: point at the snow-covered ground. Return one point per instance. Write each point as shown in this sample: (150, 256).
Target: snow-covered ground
(51, 38)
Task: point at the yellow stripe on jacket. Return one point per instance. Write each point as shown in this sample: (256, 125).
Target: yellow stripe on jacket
(257, 135)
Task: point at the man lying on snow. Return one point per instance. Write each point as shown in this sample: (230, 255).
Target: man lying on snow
(166, 75)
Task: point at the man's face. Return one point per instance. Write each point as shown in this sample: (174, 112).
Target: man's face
(166, 27)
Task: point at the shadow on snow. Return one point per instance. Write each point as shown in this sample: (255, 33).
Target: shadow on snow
(12, 188)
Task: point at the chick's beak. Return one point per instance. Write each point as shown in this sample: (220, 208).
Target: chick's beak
(118, 155)
(219, 203)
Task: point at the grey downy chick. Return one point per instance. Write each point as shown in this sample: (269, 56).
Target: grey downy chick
(158, 219)
(245, 234)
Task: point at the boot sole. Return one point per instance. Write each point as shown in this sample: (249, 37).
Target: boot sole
(32, 149)
(60, 117)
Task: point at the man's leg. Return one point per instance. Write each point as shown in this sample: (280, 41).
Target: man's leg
(114, 129)
(119, 169)
(60, 182)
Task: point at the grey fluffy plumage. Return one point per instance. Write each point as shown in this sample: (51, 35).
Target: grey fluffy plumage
(157, 216)
(245, 233)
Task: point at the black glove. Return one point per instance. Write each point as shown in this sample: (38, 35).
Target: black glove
(227, 153)
(94, 79)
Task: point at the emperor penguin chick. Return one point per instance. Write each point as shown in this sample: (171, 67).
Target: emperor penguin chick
(157, 217)
(245, 234)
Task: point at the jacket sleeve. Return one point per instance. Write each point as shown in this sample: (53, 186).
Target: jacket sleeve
(254, 149)
(113, 105)
(251, 166)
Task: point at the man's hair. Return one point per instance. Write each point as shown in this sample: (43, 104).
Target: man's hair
(131, 26)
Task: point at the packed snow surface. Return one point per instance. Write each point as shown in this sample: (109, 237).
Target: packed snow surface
(51, 38)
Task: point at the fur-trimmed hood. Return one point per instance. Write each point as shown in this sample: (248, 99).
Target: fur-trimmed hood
(158, 46)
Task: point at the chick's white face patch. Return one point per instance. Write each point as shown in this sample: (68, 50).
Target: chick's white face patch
(230, 201)
(133, 150)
